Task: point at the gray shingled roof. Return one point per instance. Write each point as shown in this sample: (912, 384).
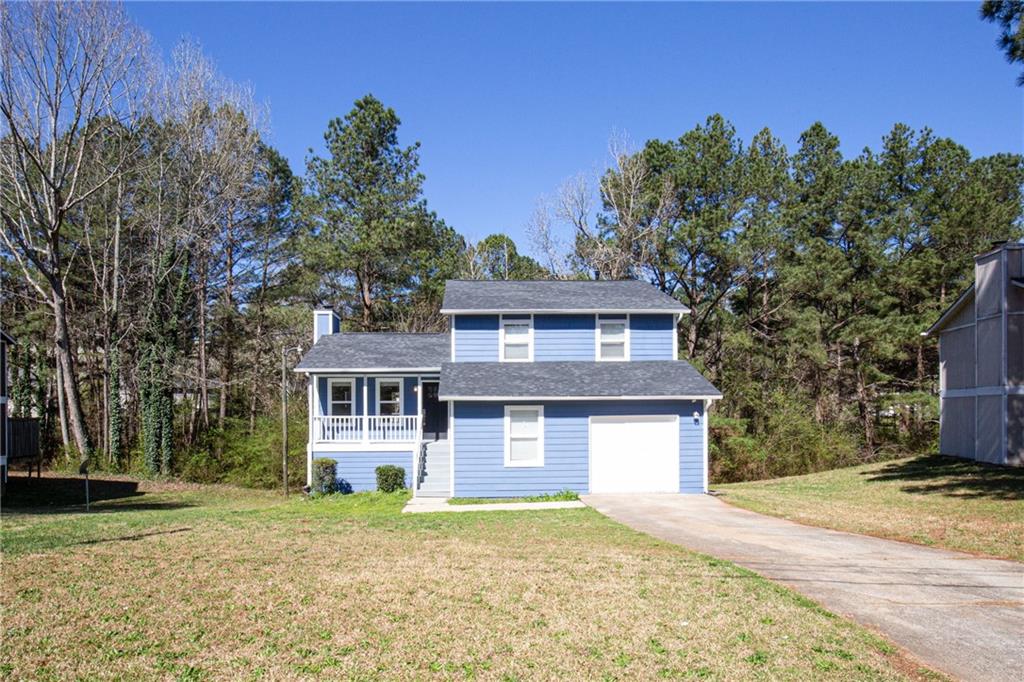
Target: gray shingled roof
(562, 295)
(656, 378)
(373, 350)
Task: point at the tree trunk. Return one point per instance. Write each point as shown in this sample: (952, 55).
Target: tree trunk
(204, 388)
(366, 296)
(62, 410)
(73, 401)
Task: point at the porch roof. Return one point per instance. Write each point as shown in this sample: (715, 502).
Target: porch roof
(376, 351)
(654, 379)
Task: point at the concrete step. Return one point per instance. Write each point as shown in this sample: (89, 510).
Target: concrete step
(433, 493)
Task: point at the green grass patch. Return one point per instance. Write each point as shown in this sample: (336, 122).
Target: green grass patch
(165, 580)
(561, 496)
(932, 500)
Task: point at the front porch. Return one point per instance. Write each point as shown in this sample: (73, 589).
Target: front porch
(366, 429)
(354, 411)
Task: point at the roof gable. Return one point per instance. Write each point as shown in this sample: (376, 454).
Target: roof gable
(529, 296)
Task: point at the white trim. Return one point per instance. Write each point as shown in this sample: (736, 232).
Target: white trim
(501, 339)
(626, 339)
(330, 395)
(675, 335)
(566, 311)
(373, 446)
(704, 447)
(451, 449)
(491, 398)
(401, 390)
(405, 371)
(637, 417)
(539, 460)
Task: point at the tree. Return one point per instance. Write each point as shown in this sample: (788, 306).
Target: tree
(496, 257)
(1009, 15)
(73, 78)
(371, 239)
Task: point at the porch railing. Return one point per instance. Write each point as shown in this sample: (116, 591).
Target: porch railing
(366, 428)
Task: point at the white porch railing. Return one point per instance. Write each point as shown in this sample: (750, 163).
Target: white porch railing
(394, 427)
(366, 429)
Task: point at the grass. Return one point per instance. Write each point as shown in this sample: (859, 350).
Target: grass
(562, 496)
(193, 582)
(938, 501)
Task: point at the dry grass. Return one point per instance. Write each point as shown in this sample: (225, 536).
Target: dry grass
(938, 501)
(214, 583)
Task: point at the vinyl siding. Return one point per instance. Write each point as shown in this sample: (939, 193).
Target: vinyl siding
(563, 337)
(409, 401)
(479, 447)
(476, 338)
(357, 470)
(650, 337)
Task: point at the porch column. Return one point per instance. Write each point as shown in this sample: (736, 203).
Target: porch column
(366, 413)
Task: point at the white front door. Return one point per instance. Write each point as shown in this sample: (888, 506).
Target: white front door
(634, 454)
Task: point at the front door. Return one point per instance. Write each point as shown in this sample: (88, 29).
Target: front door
(435, 413)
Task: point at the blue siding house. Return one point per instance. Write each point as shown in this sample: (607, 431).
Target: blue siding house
(539, 386)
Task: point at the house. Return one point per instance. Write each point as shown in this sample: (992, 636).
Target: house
(5, 394)
(981, 362)
(539, 386)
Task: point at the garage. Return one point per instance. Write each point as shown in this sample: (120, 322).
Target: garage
(634, 454)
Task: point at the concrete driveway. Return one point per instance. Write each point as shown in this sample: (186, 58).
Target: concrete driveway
(952, 611)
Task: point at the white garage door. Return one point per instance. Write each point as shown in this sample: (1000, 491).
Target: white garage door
(634, 454)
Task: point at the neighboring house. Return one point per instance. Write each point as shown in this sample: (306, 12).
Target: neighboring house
(539, 386)
(981, 362)
(5, 393)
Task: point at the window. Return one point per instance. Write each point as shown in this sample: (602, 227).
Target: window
(612, 339)
(389, 397)
(341, 398)
(517, 339)
(524, 436)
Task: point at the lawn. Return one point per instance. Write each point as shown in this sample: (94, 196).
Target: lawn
(938, 501)
(202, 582)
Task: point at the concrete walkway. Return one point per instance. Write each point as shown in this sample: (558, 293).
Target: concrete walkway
(427, 505)
(954, 612)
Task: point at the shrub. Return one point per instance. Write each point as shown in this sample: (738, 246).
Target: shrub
(390, 478)
(325, 476)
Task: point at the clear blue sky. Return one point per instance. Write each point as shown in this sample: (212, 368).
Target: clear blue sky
(510, 100)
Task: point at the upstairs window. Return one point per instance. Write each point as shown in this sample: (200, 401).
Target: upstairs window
(389, 397)
(524, 436)
(612, 339)
(516, 339)
(341, 398)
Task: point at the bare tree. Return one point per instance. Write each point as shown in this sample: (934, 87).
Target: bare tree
(620, 240)
(73, 76)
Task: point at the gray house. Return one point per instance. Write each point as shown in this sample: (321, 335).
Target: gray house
(981, 362)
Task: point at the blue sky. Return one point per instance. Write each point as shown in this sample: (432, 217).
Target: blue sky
(510, 100)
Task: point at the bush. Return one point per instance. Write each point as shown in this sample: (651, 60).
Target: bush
(390, 478)
(325, 476)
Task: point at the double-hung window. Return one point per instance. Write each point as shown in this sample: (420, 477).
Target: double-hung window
(612, 343)
(389, 397)
(524, 436)
(516, 339)
(341, 398)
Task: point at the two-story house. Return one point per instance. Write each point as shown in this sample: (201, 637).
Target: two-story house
(539, 386)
